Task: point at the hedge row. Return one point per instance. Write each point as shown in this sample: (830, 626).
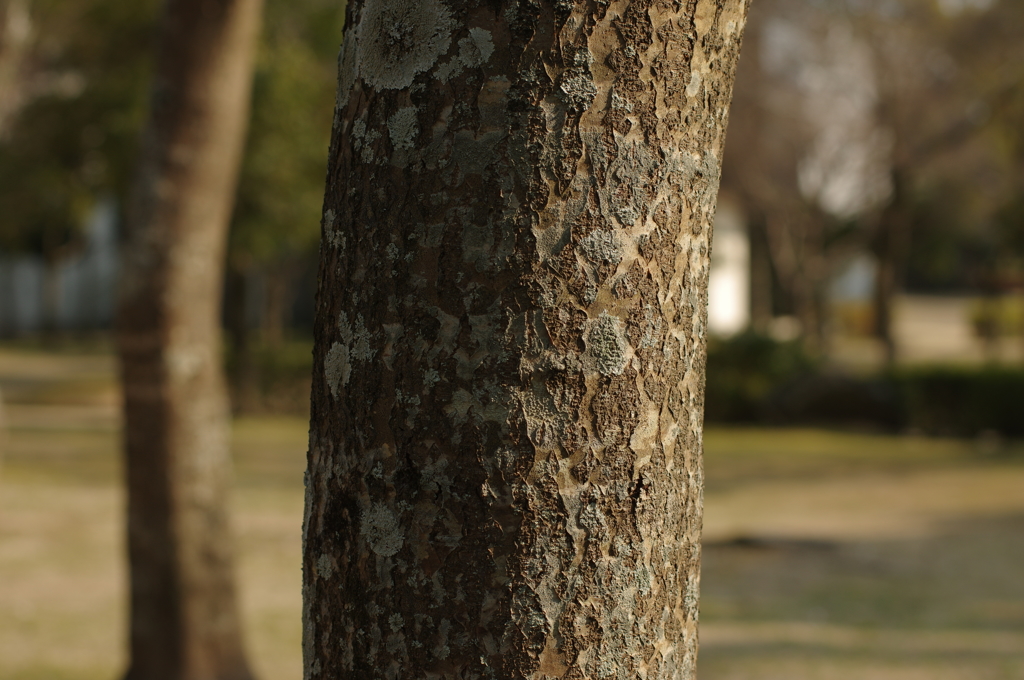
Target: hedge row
(752, 379)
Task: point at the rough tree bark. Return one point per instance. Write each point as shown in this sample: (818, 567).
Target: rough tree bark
(184, 620)
(505, 450)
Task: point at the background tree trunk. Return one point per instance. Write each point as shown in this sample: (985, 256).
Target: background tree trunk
(891, 247)
(184, 621)
(16, 35)
(505, 450)
(762, 281)
(278, 297)
(242, 367)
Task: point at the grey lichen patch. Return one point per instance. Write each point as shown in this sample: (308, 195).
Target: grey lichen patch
(381, 530)
(363, 140)
(543, 420)
(474, 51)
(357, 337)
(430, 378)
(325, 566)
(578, 89)
(635, 168)
(602, 246)
(331, 232)
(607, 345)
(576, 84)
(356, 345)
(399, 39)
(337, 367)
(403, 128)
(434, 478)
(448, 70)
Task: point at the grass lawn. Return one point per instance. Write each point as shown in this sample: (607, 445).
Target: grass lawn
(827, 555)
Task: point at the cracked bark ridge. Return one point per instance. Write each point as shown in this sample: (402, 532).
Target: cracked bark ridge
(184, 623)
(504, 473)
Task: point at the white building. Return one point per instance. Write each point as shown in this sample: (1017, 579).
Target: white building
(85, 283)
(729, 285)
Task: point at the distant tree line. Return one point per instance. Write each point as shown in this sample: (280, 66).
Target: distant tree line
(74, 79)
(890, 127)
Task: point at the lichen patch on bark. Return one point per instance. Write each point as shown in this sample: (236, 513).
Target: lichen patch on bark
(399, 39)
(382, 531)
(607, 345)
(337, 367)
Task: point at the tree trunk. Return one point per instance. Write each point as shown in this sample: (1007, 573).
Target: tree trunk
(16, 34)
(891, 247)
(762, 282)
(278, 295)
(242, 371)
(184, 620)
(51, 298)
(505, 472)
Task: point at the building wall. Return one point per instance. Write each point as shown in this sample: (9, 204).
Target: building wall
(84, 284)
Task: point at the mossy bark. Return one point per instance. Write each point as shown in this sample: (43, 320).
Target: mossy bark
(505, 449)
(184, 623)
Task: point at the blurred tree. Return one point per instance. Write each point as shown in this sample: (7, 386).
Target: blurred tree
(795, 67)
(993, 47)
(275, 231)
(862, 125)
(71, 105)
(183, 611)
(933, 109)
(15, 48)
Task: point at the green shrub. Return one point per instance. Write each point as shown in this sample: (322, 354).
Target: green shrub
(751, 378)
(272, 378)
(963, 401)
(744, 370)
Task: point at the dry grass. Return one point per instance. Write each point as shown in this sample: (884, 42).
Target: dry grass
(833, 556)
(62, 594)
(828, 555)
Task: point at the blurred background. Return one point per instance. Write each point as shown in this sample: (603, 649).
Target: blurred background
(865, 400)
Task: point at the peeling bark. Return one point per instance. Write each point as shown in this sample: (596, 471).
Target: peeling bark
(184, 620)
(505, 449)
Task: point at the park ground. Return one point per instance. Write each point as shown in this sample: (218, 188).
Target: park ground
(827, 555)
